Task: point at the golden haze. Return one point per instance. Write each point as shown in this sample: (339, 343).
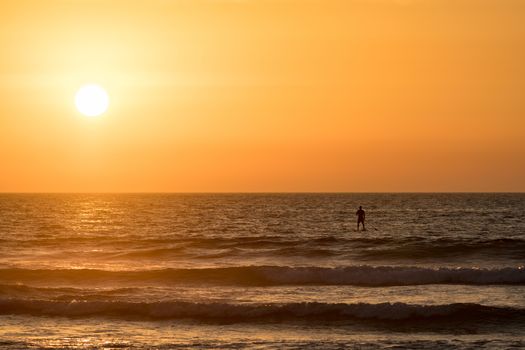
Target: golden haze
(264, 95)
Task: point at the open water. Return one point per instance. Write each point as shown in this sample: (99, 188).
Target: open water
(264, 271)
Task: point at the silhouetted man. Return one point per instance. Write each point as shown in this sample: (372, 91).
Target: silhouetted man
(360, 218)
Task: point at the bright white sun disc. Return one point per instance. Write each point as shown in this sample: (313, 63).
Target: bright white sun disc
(92, 100)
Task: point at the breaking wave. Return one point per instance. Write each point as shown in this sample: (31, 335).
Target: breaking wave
(261, 312)
(278, 275)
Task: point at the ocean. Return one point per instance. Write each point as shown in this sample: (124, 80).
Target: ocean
(262, 271)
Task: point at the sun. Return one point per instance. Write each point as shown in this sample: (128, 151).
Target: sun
(91, 100)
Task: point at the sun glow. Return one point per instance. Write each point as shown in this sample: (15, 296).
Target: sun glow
(92, 100)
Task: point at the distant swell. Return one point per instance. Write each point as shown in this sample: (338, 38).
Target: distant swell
(261, 312)
(276, 275)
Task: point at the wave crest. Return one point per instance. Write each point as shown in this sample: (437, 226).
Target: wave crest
(278, 275)
(259, 312)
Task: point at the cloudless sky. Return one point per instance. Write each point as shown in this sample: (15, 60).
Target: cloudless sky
(264, 95)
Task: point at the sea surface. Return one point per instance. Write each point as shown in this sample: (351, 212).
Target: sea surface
(262, 271)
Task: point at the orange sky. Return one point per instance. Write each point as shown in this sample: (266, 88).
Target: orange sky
(264, 95)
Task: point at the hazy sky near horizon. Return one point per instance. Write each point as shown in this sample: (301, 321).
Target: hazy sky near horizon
(264, 95)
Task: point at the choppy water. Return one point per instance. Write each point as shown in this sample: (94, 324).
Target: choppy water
(262, 271)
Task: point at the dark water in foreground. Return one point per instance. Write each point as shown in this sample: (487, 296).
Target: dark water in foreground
(262, 271)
